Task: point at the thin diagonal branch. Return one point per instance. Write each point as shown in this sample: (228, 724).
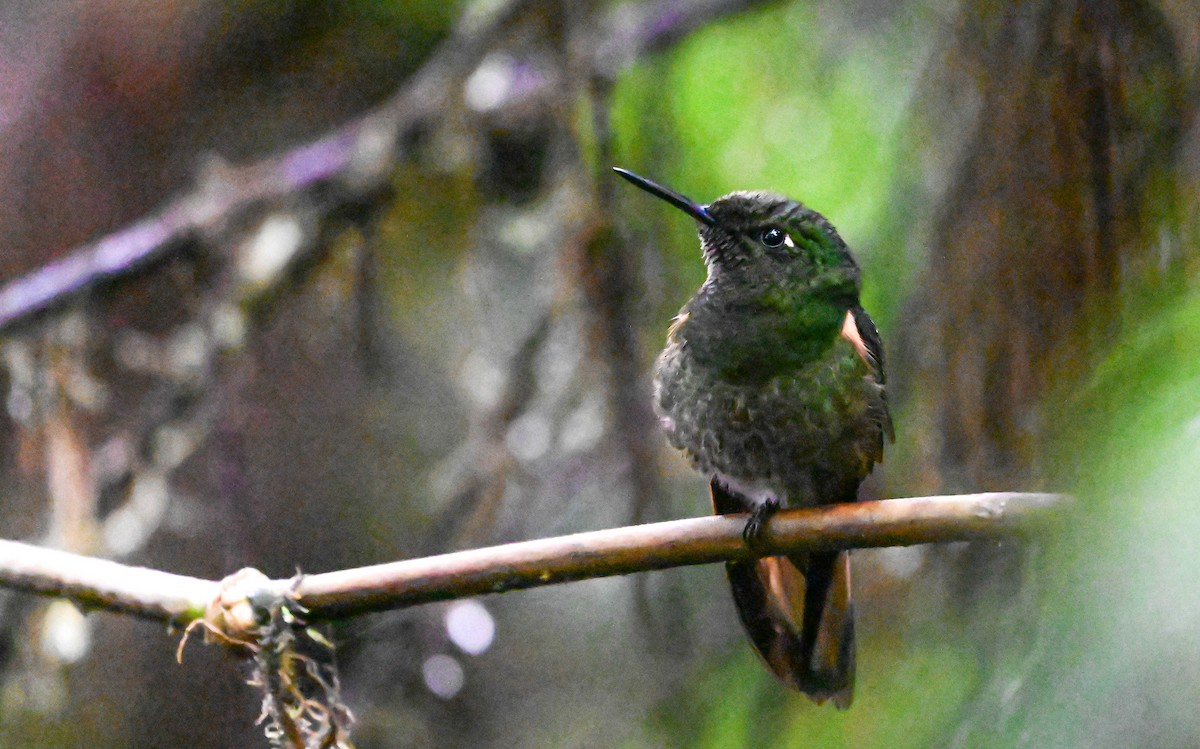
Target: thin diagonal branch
(618, 551)
(342, 168)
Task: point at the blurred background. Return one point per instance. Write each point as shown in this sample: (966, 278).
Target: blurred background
(459, 354)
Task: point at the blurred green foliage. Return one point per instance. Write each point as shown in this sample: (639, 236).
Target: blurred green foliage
(767, 101)
(910, 699)
(813, 100)
(1122, 658)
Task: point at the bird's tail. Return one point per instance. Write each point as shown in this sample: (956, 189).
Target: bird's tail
(798, 613)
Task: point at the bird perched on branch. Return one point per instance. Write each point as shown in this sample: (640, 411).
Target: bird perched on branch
(772, 384)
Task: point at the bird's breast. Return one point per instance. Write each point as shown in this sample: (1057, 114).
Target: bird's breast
(800, 434)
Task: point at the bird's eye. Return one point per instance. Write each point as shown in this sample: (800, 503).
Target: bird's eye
(772, 236)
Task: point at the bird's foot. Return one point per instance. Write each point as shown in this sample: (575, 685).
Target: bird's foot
(757, 524)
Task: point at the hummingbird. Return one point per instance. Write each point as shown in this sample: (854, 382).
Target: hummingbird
(772, 385)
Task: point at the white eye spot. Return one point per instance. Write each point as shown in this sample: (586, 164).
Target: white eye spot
(772, 236)
(787, 241)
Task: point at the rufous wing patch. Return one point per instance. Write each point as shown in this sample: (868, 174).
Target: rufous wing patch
(676, 323)
(850, 333)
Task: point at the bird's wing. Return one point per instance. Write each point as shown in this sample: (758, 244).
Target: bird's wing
(860, 330)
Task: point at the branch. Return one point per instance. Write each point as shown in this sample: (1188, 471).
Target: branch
(103, 584)
(341, 169)
(147, 593)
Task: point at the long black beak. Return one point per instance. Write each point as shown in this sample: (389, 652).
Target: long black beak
(687, 205)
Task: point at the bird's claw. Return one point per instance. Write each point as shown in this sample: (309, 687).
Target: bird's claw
(752, 534)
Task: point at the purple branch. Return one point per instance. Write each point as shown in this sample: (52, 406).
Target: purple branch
(357, 158)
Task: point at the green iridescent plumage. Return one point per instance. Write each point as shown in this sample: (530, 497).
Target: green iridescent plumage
(757, 382)
(772, 384)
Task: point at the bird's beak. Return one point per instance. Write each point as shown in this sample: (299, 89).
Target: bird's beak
(688, 206)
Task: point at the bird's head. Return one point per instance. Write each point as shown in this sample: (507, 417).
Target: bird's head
(765, 240)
